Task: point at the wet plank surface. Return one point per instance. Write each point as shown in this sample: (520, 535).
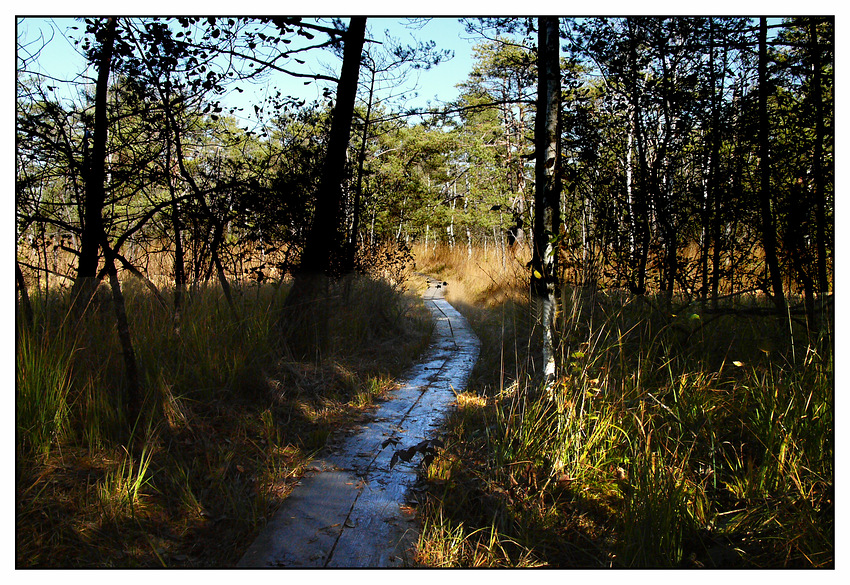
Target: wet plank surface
(349, 509)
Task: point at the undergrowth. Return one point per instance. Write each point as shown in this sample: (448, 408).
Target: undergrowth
(674, 437)
(232, 414)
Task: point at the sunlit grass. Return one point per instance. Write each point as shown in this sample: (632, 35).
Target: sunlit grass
(231, 416)
(123, 485)
(443, 544)
(670, 438)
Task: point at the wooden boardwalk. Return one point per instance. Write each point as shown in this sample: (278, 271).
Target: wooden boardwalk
(349, 509)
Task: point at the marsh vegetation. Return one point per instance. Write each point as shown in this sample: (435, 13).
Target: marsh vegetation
(636, 214)
(680, 438)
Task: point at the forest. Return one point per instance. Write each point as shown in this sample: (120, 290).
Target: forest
(635, 214)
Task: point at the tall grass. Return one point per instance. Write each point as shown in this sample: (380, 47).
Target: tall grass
(42, 386)
(681, 439)
(231, 414)
(122, 487)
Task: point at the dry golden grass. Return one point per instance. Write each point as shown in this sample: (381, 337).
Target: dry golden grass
(231, 418)
(482, 278)
(670, 440)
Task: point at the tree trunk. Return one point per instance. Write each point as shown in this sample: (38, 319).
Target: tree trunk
(768, 228)
(92, 229)
(705, 214)
(218, 227)
(133, 404)
(662, 188)
(26, 306)
(93, 236)
(358, 191)
(322, 250)
(179, 263)
(630, 202)
(713, 230)
(218, 236)
(179, 257)
(817, 167)
(323, 256)
(637, 280)
(709, 182)
(800, 259)
(547, 221)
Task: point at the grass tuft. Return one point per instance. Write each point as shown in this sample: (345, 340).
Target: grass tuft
(231, 417)
(43, 384)
(672, 438)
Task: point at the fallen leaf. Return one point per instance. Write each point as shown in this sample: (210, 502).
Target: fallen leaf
(390, 441)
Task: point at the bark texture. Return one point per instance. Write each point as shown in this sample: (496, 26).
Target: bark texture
(547, 220)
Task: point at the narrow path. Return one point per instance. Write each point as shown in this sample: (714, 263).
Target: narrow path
(349, 509)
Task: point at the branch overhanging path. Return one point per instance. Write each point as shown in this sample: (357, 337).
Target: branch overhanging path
(349, 510)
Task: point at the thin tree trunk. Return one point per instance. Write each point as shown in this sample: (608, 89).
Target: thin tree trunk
(47, 263)
(26, 306)
(768, 228)
(817, 167)
(637, 282)
(218, 228)
(630, 203)
(662, 188)
(468, 232)
(499, 242)
(358, 191)
(709, 184)
(451, 229)
(134, 391)
(218, 235)
(705, 239)
(733, 188)
(179, 263)
(799, 257)
(92, 230)
(714, 191)
(547, 221)
(179, 256)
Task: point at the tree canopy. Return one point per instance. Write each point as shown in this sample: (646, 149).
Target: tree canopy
(696, 153)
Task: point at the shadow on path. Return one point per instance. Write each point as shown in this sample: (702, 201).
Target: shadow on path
(348, 510)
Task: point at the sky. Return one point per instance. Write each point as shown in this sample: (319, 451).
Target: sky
(59, 58)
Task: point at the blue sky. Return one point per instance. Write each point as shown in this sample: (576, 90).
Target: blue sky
(59, 58)
(448, 33)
